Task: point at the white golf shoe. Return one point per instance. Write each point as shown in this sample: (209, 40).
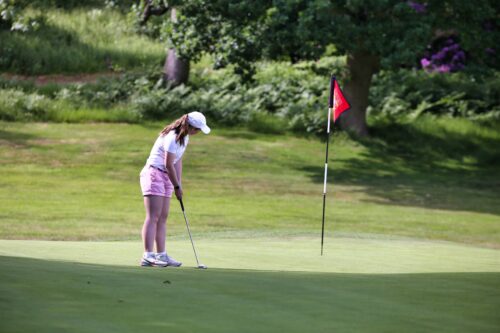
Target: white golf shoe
(152, 261)
(169, 260)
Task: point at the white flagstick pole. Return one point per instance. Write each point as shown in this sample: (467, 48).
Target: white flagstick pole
(331, 106)
(324, 184)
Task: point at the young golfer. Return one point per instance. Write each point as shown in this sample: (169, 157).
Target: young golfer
(159, 178)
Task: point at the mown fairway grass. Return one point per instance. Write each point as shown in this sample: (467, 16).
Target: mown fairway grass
(393, 262)
(80, 182)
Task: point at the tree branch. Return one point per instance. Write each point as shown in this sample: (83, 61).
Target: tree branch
(149, 10)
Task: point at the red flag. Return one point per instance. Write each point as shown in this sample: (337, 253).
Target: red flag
(338, 103)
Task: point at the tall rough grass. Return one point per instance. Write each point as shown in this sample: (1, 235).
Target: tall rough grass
(77, 41)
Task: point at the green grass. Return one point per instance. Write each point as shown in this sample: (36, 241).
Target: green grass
(412, 242)
(252, 285)
(80, 182)
(80, 40)
(66, 114)
(251, 251)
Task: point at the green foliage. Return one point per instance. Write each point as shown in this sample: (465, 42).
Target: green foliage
(409, 94)
(373, 34)
(24, 85)
(470, 21)
(291, 96)
(219, 104)
(106, 92)
(228, 30)
(298, 95)
(159, 103)
(12, 16)
(156, 25)
(240, 33)
(282, 97)
(18, 106)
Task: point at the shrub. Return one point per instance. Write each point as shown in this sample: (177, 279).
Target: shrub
(159, 103)
(412, 93)
(282, 96)
(17, 106)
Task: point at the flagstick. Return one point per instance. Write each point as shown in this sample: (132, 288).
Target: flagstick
(324, 184)
(342, 106)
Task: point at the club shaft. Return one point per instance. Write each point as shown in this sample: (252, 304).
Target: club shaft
(190, 237)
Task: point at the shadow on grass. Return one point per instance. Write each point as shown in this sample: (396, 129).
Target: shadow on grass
(16, 139)
(434, 143)
(441, 169)
(56, 295)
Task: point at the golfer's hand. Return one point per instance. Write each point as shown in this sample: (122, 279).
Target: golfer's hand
(178, 193)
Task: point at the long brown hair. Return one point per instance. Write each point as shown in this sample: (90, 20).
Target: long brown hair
(180, 126)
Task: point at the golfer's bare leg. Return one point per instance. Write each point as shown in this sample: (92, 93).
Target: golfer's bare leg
(154, 206)
(161, 226)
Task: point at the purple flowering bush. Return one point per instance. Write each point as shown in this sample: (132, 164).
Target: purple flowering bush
(420, 8)
(444, 56)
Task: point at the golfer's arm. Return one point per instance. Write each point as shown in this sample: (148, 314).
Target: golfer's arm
(178, 169)
(171, 169)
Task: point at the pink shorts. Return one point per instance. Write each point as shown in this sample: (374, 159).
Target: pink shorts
(155, 182)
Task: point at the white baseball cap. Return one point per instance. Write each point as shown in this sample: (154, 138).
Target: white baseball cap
(197, 119)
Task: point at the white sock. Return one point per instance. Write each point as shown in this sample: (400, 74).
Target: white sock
(164, 253)
(149, 254)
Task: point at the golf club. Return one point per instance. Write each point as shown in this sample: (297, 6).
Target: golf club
(201, 266)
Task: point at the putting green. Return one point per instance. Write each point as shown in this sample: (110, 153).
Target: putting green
(252, 285)
(341, 255)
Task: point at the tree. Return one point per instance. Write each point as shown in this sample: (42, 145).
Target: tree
(175, 69)
(373, 34)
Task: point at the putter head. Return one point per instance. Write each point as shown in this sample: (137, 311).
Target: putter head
(201, 266)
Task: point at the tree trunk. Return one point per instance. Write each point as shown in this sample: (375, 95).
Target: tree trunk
(361, 67)
(175, 70)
